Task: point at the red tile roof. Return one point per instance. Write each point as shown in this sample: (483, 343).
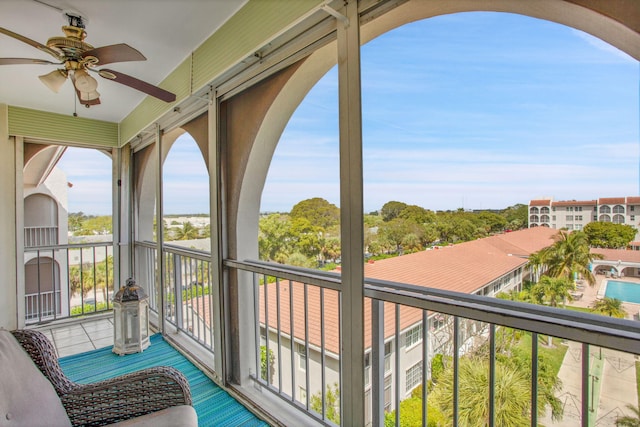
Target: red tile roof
(633, 200)
(542, 202)
(576, 203)
(618, 254)
(465, 267)
(611, 200)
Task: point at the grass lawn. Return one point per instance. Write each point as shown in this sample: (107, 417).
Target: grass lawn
(582, 309)
(554, 355)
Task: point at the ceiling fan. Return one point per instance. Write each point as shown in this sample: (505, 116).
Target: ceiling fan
(79, 58)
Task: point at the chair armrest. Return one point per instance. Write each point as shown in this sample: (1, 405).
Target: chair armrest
(127, 396)
(45, 357)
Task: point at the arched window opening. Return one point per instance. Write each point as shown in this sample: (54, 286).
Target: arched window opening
(618, 219)
(186, 195)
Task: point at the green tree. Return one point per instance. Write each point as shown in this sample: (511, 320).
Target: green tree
(371, 221)
(611, 307)
(554, 290)
(391, 210)
(394, 232)
(332, 403)
(187, 232)
(570, 254)
(417, 214)
(75, 221)
(429, 234)
(512, 394)
(609, 235)
(84, 278)
(519, 358)
(95, 225)
(411, 414)
(456, 227)
(307, 238)
(267, 364)
(630, 420)
(517, 216)
(411, 242)
(300, 260)
(275, 240)
(205, 232)
(493, 223)
(318, 211)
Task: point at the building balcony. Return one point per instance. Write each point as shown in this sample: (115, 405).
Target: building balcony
(288, 346)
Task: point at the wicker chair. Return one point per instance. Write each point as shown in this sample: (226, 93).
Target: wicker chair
(110, 401)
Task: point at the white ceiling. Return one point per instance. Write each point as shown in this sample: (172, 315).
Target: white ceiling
(165, 31)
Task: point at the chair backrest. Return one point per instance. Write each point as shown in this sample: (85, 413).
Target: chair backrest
(44, 355)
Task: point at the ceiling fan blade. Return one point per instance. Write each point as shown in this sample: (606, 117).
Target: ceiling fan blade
(16, 61)
(33, 43)
(137, 84)
(114, 53)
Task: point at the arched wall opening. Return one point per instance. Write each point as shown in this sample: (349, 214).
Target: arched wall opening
(253, 148)
(145, 172)
(252, 122)
(43, 295)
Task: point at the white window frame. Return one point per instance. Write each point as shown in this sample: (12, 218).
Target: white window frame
(413, 377)
(413, 336)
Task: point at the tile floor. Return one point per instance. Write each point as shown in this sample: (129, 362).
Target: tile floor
(79, 337)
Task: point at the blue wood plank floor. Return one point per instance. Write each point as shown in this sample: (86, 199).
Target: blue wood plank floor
(214, 406)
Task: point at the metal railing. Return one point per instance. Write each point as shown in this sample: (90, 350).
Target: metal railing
(187, 280)
(431, 340)
(40, 236)
(45, 305)
(64, 281)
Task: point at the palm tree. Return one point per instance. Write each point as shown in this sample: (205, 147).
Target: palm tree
(569, 254)
(187, 232)
(630, 420)
(537, 266)
(512, 394)
(612, 307)
(554, 290)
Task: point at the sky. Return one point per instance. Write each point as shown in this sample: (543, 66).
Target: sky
(470, 110)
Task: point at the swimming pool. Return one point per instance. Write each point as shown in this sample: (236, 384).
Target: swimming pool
(625, 291)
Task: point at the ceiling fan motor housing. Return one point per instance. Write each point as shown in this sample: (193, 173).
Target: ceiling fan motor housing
(72, 45)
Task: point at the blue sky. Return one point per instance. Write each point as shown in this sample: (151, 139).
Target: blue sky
(473, 110)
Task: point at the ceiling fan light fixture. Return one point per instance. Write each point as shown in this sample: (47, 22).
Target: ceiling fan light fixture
(54, 80)
(84, 82)
(89, 96)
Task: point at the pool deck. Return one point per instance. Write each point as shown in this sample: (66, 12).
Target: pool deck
(590, 294)
(615, 372)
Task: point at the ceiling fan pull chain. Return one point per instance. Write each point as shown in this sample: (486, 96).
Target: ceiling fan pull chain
(75, 106)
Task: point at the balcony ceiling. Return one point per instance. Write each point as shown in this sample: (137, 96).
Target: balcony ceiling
(165, 31)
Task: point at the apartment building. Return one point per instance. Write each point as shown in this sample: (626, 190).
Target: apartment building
(575, 214)
(311, 316)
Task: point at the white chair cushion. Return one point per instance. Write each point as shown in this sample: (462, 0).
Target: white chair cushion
(27, 398)
(176, 416)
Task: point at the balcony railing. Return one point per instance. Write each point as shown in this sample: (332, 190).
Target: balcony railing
(40, 236)
(44, 306)
(64, 281)
(187, 288)
(415, 337)
(415, 334)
